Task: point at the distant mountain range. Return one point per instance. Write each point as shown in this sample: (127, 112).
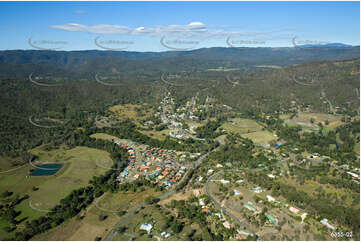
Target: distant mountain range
(326, 45)
(84, 63)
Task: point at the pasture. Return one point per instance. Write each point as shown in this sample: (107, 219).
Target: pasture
(160, 135)
(135, 112)
(89, 226)
(248, 129)
(79, 167)
(304, 119)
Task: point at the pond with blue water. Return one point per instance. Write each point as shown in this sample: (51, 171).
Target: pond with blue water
(47, 169)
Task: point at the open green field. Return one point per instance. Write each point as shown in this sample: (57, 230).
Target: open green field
(135, 112)
(248, 129)
(110, 138)
(304, 119)
(160, 135)
(260, 136)
(79, 168)
(241, 126)
(90, 226)
(7, 164)
(105, 137)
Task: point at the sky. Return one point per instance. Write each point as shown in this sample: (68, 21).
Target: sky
(164, 26)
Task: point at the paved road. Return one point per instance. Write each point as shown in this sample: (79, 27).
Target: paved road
(165, 195)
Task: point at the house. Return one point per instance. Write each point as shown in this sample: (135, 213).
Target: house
(210, 171)
(257, 190)
(197, 192)
(270, 199)
(303, 217)
(272, 219)
(325, 222)
(136, 176)
(226, 225)
(206, 210)
(271, 176)
(200, 178)
(294, 210)
(240, 181)
(352, 174)
(236, 193)
(219, 166)
(250, 206)
(201, 202)
(224, 181)
(143, 168)
(146, 227)
(165, 234)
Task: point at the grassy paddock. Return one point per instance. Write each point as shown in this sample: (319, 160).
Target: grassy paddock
(304, 119)
(79, 168)
(90, 226)
(248, 129)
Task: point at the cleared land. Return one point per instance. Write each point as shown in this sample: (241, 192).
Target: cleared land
(160, 135)
(131, 111)
(304, 119)
(90, 226)
(8, 164)
(248, 129)
(80, 167)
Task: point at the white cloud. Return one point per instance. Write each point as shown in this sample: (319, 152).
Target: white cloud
(96, 29)
(79, 11)
(191, 30)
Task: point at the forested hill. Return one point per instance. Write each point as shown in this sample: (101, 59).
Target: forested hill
(89, 61)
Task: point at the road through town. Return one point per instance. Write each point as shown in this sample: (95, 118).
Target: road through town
(165, 195)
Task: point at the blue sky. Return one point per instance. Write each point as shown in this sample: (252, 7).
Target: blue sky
(161, 26)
